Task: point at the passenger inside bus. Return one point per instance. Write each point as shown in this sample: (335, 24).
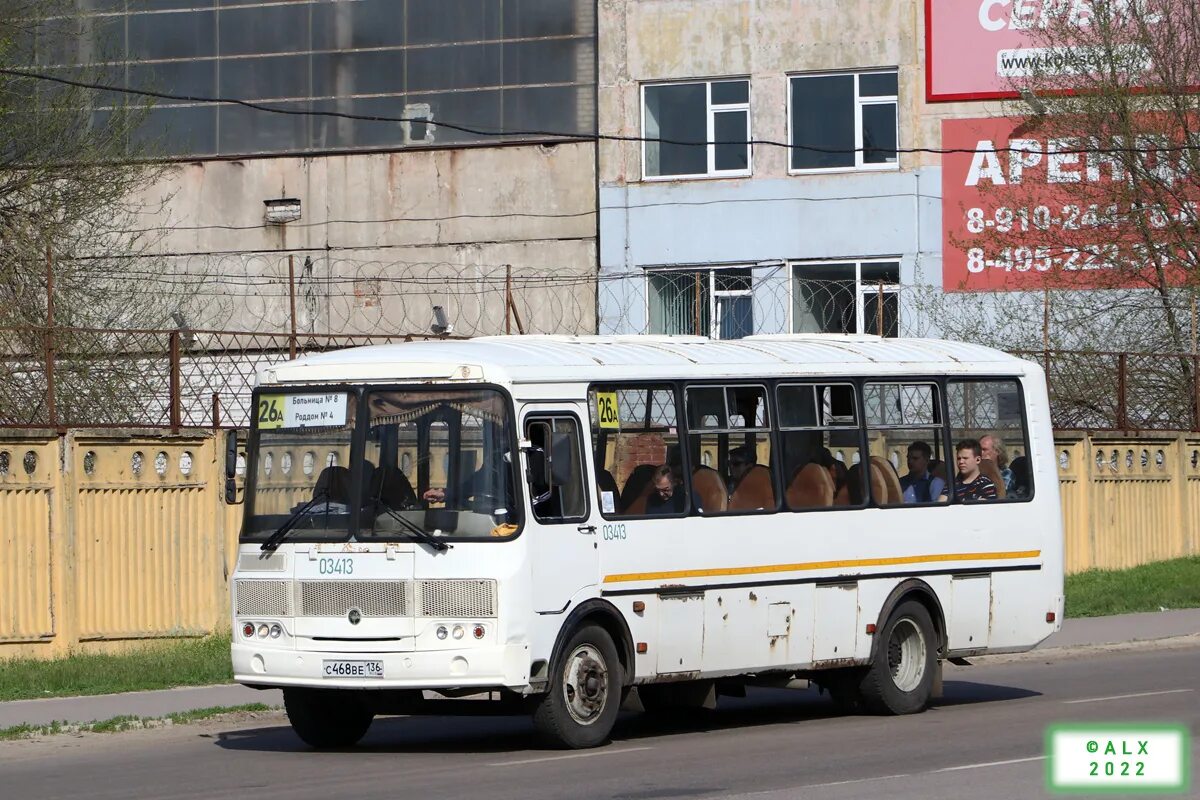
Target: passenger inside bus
(920, 485)
(972, 485)
(666, 497)
(751, 481)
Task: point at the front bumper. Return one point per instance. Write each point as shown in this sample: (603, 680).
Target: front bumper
(483, 667)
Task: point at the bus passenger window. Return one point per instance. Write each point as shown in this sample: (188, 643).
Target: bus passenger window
(635, 439)
(731, 426)
(558, 494)
(819, 445)
(988, 415)
(907, 457)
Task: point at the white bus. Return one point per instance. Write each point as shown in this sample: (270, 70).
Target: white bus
(555, 521)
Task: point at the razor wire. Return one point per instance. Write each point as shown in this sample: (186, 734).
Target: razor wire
(1108, 354)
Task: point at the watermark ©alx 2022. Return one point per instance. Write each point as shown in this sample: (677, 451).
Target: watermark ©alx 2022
(1118, 757)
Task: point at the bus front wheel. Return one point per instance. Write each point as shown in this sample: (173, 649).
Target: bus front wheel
(327, 718)
(900, 678)
(581, 706)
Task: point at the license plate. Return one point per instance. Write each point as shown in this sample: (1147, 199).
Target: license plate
(352, 669)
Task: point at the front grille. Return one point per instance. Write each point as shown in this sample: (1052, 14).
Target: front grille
(373, 598)
(457, 599)
(263, 598)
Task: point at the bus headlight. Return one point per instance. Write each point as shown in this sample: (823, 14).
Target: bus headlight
(276, 631)
(442, 633)
(263, 630)
(458, 631)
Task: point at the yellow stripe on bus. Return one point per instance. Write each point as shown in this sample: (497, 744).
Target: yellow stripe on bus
(767, 569)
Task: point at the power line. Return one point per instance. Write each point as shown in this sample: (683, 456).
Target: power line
(575, 135)
(531, 215)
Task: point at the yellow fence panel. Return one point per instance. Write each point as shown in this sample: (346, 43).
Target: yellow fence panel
(149, 553)
(1073, 488)
(28, 474)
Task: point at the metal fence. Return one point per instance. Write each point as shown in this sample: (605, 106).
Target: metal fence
(72, 377)
(1106, 391)
(175, 379)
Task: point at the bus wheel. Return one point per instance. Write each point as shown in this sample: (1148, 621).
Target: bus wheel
(327, 718)
(900, 678)
(585, 691)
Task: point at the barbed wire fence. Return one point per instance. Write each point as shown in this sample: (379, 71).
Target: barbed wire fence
(1112, 361)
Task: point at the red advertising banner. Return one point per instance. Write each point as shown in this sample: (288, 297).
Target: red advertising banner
(974, 49)
(1023, 210)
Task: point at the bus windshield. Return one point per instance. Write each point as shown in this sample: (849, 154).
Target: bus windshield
(439, 461)
(299, 472)
(431, 463)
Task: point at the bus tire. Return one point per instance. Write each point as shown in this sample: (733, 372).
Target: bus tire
(900, 678)
(327, 718)
(586, 684)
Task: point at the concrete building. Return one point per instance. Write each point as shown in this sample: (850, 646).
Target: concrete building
(730, 239)
(377, 220)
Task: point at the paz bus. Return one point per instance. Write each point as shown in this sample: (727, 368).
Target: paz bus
(558, 522)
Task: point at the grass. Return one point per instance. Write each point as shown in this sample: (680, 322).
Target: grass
(1150, 587)
(127, 723)
(191, 662)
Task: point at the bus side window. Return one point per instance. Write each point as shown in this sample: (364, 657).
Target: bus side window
(558, 495)
(819, 441)
(635, 440)
(990, 415)
(732, 422)
(907, 454)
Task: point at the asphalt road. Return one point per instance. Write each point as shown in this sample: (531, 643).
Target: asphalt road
(983, 740)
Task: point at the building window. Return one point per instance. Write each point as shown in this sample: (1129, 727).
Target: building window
(844, 121)
(504, 68)
(713, 114)
(703, 302)
(846, 297)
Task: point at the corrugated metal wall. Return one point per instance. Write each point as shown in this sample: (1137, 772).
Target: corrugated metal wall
(109, 537)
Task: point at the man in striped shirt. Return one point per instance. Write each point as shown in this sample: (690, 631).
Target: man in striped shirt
(971, 485)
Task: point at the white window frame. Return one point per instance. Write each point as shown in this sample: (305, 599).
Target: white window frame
(714, 324)
(859, 102)
(861, 290)
(709, 137)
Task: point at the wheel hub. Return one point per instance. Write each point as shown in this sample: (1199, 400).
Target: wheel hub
(585, 684)
(906, 655)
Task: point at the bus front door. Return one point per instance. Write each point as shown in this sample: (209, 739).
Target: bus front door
(562, 524)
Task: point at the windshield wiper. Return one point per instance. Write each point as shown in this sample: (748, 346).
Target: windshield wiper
(410, 527)
(290, 523)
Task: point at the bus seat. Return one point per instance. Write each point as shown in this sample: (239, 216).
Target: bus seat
(605, 482)
(637, 489)
(890, 493)
(1020, 473)
(753, 491)
(988, 467)
(854, 490)
(709, 490)
(811, 487)
(393, 488)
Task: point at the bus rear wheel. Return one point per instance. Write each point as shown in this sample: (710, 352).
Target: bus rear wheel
(581, 706)
(900, 678)
(327, 718)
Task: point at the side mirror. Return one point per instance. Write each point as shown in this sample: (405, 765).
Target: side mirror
(231, 456)
(537, 475)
